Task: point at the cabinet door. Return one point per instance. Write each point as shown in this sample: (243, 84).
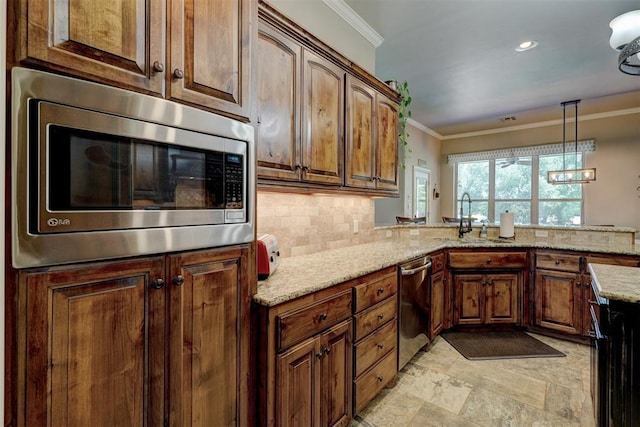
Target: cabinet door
(502, 298)
(92, 347)
(278, 87)
(116, 41)
(387, 144)
(558, 301)
(437, 304)
(206, 299)
(298, 385)
(469, 292)
(210, 50)
(336, 348)
(361, 134)
(322, 118)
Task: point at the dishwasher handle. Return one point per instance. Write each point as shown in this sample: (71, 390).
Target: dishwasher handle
(413, 271)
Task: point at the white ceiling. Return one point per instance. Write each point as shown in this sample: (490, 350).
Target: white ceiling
(464, 74)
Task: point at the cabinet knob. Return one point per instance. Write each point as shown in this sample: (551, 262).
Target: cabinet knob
(380, 378)
(158, 67)
(327, 350)
(298, 166)
(305, 168)
(178, 280)
(488, 260)
(178, 74)
(319, 355)
(380, 316)
(380, 291)
(556, 262)
(578, 284)
(380, 346)
(323, 316)
(157, 284)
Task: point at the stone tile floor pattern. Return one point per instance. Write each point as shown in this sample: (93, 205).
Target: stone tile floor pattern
(442, 388)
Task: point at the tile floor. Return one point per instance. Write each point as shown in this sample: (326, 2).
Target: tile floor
(442, 388)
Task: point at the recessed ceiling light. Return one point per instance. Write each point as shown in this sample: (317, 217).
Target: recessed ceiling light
(526, 45)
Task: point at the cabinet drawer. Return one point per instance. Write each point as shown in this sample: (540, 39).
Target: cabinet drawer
(375, 291)
(297, 325)
(369, 385)
(437, 262)
(483, 260)
(370, 319)
(558, 261)
(374, 347)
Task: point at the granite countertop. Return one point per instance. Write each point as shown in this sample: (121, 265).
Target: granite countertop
(302, 275)
(617, 282)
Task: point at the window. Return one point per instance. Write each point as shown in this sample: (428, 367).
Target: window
(519, 184)
(420, 193)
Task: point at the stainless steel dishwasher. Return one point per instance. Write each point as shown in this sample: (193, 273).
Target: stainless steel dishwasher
(413, 310)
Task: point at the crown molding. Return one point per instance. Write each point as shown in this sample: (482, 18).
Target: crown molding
(587, 117)
(352, 18)
(425, 129)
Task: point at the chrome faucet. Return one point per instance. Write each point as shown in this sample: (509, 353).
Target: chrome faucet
(462, 229)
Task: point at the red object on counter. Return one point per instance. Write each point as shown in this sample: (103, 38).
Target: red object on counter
(268, 255)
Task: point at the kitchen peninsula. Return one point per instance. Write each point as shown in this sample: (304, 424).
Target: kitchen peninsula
(615, 376)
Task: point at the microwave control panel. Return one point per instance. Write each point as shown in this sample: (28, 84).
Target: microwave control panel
(234, 180)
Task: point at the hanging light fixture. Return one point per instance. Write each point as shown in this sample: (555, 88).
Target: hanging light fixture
(575, 175)
(625, 38)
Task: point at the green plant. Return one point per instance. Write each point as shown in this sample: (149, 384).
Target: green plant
(404, 114)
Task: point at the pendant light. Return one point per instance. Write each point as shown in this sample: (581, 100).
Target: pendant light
(625, 38)
(575, 175)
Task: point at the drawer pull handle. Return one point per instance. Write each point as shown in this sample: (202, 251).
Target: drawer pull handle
(380, 346)
(488, 260)
(178, 74)
(380, 378)
(178, 280)
(557, 262)
(380, 290)
(323, 316)
(319, 355)
(157, 284)
(380, 316)
(578, 284)
(327, 350)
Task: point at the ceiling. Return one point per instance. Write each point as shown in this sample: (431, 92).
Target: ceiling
(464, 74)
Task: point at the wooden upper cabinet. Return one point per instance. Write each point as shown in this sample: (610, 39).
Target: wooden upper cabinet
(387, 144)
(209, 58)
(278, 104)
(322, 120)
(115, 41)
(372, 138)
(361, 135)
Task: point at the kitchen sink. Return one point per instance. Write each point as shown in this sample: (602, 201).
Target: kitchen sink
(475, 240)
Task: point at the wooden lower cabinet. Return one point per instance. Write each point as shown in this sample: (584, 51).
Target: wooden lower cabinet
(486, 298)
(314, 353)
(313, 379)
(149, 341)
(558, 297)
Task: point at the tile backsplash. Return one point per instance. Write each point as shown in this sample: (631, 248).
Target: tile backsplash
(306, 224)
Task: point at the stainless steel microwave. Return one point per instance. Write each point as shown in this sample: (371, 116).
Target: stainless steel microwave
(100, 173)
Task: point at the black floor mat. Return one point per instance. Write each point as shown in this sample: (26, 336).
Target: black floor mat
(499, 345)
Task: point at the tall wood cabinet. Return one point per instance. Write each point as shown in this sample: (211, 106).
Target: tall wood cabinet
(149, 341)
(371, 142)
(206, 61)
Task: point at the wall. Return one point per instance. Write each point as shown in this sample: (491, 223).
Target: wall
(612, 199)
(423, 147)
(321, 21)
(306, 224)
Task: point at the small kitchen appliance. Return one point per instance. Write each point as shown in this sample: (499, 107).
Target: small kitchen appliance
(268, 255)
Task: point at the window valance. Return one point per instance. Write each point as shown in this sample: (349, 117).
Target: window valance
(536, 150)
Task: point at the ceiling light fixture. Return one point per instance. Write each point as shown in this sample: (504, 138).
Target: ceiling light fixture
(526, 45)
(625, 38)
(575, 175)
